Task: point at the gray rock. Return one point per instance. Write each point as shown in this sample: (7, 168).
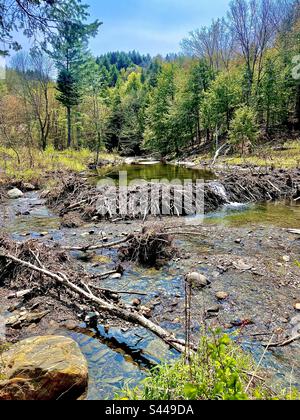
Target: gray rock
(222, 295)
(116, 276)
(297, 306)
(197, 280)
(29, 187)
(146, 312)
(14, 194)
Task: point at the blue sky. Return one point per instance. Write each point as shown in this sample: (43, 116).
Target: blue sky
(150, 26)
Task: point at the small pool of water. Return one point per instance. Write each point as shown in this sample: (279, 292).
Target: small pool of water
(155, 171)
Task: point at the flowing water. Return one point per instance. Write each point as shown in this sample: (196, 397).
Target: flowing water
(120, 357)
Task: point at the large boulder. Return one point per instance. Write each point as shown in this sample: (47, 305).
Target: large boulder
(14, 194)
(44, 368)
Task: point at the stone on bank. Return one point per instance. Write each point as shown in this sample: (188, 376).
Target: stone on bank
(44, 368)
(14, 194)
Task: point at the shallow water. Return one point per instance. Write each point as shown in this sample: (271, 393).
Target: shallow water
(280, 214)
(120, 357)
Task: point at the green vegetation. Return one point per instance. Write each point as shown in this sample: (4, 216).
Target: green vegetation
(287, 156)
(219, 371)
(243, 130)
(35, 164)
(236, 82)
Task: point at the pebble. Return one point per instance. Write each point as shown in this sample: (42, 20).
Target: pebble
(213, 310)
(216, 274)
(146, 312)
(71, 325)
(136, 302)
(85, 234)
(286, 259)
(44, 234)
(297, 306)
(29, 187)
(116, 276)
(222, 295)
(242, 266)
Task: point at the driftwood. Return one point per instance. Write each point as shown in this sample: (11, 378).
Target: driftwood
(284, 343)
(294, 231)
(103, 305)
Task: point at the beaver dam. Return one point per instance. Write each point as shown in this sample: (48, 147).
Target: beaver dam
(117, 284)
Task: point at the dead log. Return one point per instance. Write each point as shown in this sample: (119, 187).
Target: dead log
(103, 305)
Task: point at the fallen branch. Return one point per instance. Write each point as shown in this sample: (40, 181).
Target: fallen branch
(101, 289)
(112, 309)
(218, 153)
(284, 343)
(98, 246)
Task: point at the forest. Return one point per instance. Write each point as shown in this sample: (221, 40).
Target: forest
(149, 205)
(236, 80)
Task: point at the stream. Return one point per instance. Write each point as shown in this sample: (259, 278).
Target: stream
(121, 357)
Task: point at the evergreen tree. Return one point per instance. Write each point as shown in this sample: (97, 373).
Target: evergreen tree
(158, 133)
(69, 50)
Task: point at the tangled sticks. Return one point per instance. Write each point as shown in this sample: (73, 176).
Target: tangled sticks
(148, 199)
(116, 203)
(48, 271)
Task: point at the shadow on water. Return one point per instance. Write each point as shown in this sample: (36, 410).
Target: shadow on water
(117, 358)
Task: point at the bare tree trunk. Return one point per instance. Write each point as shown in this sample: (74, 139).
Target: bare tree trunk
(69, 122)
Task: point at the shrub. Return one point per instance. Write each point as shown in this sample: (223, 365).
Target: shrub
(244, 129)
(219, 371)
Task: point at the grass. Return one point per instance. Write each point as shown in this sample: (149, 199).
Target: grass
(265, 156)
(35, 165)
(220, 370)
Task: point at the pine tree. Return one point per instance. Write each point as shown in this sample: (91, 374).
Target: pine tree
(69, 50)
